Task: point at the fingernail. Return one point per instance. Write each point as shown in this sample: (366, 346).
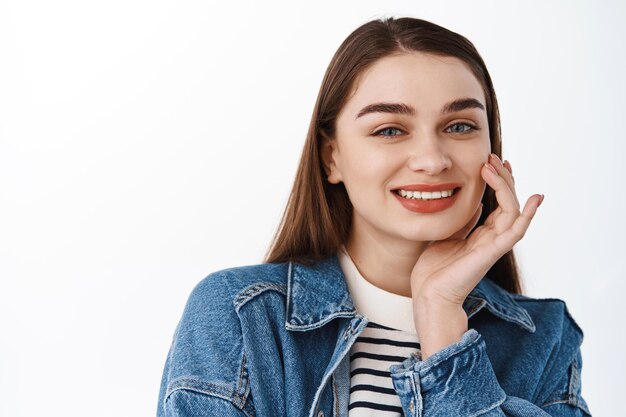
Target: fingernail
(491, 168)
(541, 201)
(495, 158)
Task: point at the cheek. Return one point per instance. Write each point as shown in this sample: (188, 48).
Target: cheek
(472, 157)
(476, 178)
(365, 163)
(470, 162)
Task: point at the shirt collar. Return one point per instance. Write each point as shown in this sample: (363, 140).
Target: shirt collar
(318, 293)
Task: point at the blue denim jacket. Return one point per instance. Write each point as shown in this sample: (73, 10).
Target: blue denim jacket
(272, 340)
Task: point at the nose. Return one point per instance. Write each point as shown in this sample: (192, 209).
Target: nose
(429, 156)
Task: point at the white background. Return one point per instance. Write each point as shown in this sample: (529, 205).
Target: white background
(145, 144)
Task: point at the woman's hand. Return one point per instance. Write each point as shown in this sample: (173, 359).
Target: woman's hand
(448, 270)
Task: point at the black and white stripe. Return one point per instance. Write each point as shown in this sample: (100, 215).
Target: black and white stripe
(374, 351)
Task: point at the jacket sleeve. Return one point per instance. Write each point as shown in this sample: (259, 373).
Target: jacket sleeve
(459, 380)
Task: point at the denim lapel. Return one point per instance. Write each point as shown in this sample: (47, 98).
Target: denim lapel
(498, 302)
(318, 293)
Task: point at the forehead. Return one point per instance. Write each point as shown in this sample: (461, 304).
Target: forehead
(426, 81)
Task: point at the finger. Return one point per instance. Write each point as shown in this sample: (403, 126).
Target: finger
(505, 198)
(518, 229)
(507, 164)
(505, 195)
(494, 214)
(504, 172)
(462, 233)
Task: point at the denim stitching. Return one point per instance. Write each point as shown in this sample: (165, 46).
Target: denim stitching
(573, 382)
(570, 398)
(491, 407)
(293, 326)
(416, 387)
(336, 396)
(565, 401)
(287, 313)
(568, 402)
(349, 314)
(251, 291)
(201, 387)
(246, 390)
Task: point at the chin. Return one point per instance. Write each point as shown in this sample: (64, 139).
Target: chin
(430, 235)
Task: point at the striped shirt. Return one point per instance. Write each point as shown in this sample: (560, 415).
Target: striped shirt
(388, 339)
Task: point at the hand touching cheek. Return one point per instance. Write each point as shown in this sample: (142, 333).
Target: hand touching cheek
(448, 270)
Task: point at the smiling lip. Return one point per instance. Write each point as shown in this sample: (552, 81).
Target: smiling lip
(429, 187)
(427, 206)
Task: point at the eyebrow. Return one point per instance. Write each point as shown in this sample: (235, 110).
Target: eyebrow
(405, 109)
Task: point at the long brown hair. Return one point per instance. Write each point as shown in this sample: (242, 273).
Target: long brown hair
(318, 215)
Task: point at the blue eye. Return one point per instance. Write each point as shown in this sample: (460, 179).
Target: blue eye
(460, 128)
(387, 129)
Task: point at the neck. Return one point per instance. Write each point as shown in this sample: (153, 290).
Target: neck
(384, 262)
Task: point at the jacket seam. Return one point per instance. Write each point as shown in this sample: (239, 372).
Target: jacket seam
(288, 296)
(493, 406)
(573, 381)
(253, 290)
(336, 395)
(573, 401)
(320, 323)
(242, 380)
(207, 388)
(569, 400)
(571, 397)
(416, 389)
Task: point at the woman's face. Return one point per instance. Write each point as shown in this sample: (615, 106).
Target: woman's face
(443, 137)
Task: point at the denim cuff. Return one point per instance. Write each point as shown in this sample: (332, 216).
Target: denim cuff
(455, 381)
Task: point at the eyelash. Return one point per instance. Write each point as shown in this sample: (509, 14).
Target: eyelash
(471, 128)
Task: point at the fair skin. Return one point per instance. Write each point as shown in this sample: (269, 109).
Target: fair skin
(429, 257)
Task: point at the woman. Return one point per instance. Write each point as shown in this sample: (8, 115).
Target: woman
(391, 286)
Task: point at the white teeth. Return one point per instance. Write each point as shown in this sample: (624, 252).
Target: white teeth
(425, 195)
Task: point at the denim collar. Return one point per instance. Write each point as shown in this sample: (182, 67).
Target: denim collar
(318, 293)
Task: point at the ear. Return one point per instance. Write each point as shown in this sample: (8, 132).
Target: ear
(328, 153)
